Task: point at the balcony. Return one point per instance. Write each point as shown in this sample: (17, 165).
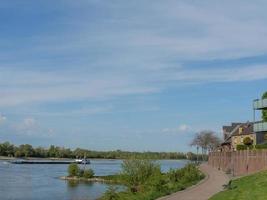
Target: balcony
(260, 127)
(259, 104)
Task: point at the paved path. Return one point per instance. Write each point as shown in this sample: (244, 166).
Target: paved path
(212, 184)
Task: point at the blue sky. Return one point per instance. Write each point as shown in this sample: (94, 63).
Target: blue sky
(130, 75)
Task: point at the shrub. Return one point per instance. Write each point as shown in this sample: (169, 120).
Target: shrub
(81, 171)
(261, 146)
(73, 169)
(243, 147)
(152, 184)
(137, 172)
(247, 141)
(88, 173)
(111, 194)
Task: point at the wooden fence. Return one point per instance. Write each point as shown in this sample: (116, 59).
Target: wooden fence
(239, 163)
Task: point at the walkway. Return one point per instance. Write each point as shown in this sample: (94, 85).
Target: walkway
(212, 184)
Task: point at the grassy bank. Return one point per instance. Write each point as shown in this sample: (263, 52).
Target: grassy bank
(145, 181)
(251, 187)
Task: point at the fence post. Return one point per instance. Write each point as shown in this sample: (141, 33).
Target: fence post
(247, 160)
(232, 163)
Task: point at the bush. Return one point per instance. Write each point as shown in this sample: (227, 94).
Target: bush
(81, 171)
(88, 173)
(137, 172)
(152, 184)
(111, 194)
(158, 183)
(261, 146)
(243, 147)
(73, 169)
(187, 174)
(247, 141)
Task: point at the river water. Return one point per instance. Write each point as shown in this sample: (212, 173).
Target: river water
(40, 182)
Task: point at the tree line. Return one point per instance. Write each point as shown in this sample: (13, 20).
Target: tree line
(27, 150)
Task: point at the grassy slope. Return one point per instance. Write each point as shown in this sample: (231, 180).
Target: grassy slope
(253, 187)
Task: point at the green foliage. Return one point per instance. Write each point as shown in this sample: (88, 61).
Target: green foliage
(7, 149)
(111, 194)
(257, 146)
(187, 174)
(26, 150)
(261, 146)
(88, 173)
(151, 183)
(197, 157)
(264, 112)
(73, 169)
(137, 172)
(241, 147)
(247, 141)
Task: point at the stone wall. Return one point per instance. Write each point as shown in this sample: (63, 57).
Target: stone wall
(239, 163)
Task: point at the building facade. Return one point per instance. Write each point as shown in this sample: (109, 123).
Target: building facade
(260, 127)
(235, 134)
(243, 131)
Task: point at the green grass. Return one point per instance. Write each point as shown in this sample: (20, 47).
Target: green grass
(252, 187)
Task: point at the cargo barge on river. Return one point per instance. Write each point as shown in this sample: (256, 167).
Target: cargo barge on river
(78, 161)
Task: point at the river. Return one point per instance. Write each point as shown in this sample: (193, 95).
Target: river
(40, 182)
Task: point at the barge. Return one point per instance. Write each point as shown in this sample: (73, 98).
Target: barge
(77, 161)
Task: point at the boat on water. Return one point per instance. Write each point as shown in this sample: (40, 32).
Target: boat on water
(83, 161)
(22, 161)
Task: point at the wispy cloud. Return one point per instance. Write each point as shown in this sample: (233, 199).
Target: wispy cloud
(83, 58)
(182, 128)
(95, 55)
(29, 127)
(70, 87)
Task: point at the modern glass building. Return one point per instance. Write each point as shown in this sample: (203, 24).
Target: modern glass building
(260, 127)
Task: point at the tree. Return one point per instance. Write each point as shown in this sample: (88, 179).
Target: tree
(7, 149)
(26, 150)
(206, 140)
(73, 169)
(41, 152)
(264, 112)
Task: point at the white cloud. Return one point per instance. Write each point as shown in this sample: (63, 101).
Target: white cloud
(31, 127)
(183, 128)
(129, 54)
(71, 86)
(27, 126)
(29, 123)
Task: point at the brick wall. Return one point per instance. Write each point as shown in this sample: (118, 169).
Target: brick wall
(239, 162)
